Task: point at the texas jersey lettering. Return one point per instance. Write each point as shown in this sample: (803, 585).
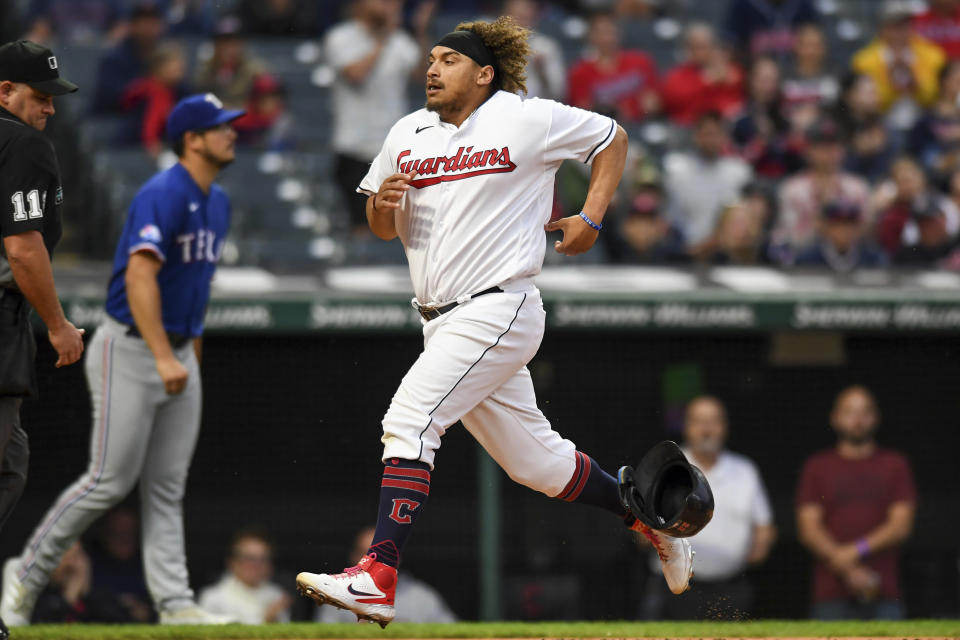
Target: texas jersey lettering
(201, 244)
(185, 229)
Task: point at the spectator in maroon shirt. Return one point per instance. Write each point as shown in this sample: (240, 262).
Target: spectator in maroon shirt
(707, 81)
(619, 82)
(941, 23)
(934, 232)
(855, 507)
(906, 196)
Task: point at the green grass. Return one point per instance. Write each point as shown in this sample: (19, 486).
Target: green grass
(755, 629)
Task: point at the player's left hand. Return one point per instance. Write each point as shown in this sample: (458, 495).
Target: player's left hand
(578, 236)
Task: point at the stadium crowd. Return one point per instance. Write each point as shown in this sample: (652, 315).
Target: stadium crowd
(756, 145)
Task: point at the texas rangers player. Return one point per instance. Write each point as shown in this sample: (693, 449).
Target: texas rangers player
(467, 185)
(143, 372)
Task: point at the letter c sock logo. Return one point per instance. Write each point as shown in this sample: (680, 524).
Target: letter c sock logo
(402, 510)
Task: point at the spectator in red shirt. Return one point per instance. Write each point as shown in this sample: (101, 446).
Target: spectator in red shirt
(621, 83)
(707, 81)
(155, 95)
(941, 23)
(855, 507)
(267, 125)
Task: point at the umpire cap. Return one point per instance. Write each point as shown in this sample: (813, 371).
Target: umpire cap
(35, 65)
(667, 493)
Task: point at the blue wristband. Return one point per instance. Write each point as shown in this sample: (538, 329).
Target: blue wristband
(590, 222)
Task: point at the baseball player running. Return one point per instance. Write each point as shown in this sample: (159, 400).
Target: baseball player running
(467, 185)
(143, 372)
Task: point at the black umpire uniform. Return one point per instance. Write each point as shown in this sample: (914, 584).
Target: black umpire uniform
(30, 200)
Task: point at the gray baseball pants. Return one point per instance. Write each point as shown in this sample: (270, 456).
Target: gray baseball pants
(139, 432)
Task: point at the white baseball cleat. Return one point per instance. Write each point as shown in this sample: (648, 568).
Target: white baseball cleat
(366, 589)
(676, 556)
(17, 600)
(193, 615)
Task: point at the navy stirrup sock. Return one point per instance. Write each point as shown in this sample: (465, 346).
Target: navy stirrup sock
(403, 492)
(592, 485)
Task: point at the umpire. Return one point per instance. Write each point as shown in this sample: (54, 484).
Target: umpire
(30, 203)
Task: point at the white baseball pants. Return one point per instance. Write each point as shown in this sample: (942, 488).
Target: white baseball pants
(473, 368)
(139, 432)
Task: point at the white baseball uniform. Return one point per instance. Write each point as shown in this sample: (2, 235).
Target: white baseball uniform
(473, 219)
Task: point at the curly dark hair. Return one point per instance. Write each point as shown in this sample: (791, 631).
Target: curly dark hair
(508, 42)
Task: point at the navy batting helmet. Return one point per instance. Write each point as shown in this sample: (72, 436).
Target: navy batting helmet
(666, 492)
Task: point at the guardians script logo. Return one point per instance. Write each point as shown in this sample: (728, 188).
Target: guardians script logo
(466, 163)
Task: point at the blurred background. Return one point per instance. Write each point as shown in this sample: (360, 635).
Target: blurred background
(788, 225)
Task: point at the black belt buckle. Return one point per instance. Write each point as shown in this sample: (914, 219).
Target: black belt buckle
(177, 341)
(432, 313)
(429, 313)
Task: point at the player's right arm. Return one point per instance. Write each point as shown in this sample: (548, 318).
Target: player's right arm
(592, 139)
(23, 179)
(30, 265)
(382, 206)
(143, 295)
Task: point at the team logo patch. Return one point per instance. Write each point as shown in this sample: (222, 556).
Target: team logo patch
(402, 510)
(52, 61)
(151, 233)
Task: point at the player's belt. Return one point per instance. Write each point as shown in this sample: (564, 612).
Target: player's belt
(432, 313)
(177, 341)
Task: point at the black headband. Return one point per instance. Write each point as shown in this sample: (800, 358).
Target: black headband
(471, 45)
